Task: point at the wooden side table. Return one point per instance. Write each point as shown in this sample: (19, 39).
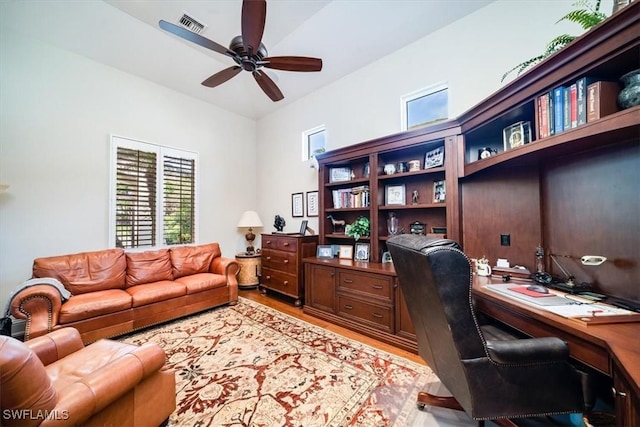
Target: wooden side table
(248, 276)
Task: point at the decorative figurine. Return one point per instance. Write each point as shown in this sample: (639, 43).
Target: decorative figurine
(279, 223)
(414, 197)
(335, 223)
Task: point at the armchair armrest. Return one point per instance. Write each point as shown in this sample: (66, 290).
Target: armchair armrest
(528, 351)
(56, 345)
(40, 306)
(226, 266)
(99, 389)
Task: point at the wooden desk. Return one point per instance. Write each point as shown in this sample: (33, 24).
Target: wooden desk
(613, 349)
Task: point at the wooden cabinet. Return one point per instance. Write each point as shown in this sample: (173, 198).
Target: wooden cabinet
(627, 401)
(409, 194)
(359, 296)
(282, 268)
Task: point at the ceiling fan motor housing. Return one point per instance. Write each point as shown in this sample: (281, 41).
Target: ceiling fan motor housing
(243, 59)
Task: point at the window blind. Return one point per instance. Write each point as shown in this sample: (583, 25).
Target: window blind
(179, 200)
(136, 178)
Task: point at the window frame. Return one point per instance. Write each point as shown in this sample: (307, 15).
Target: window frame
(117, 141)
(306, 143)
(405, 100)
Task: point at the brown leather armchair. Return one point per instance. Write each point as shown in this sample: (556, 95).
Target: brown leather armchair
(492, 375)
(55, 380)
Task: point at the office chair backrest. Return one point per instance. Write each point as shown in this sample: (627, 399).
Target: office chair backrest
(435, 278)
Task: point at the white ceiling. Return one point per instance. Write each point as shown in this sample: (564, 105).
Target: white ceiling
(124, 34)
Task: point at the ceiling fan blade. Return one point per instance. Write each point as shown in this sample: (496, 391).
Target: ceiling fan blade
(222, 76)
(195, 38)
(268, 86)
(292, 63)
(254, 14)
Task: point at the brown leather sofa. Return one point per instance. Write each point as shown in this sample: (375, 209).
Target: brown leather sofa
(55, 380)
(114, 292)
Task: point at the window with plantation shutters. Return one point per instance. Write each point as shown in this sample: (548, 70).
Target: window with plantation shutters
(153, 195)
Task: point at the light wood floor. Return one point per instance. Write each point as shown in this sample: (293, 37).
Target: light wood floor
(285, 305)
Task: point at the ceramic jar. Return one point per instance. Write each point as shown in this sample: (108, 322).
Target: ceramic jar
(389, 169)
(630, 94)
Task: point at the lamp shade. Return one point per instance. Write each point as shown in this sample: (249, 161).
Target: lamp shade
(249, 219)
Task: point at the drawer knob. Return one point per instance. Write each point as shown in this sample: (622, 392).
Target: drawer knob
(376, 287)
(286, 261)
(268, 258)
(268, 277)
(348, 307)
(286, 243)
(377, 315)
(286, 282)
(268, 242)
(348, 281)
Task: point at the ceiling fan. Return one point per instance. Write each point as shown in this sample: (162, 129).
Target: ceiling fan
(247, 51)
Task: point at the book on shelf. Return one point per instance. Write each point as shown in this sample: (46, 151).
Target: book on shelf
(355, 197)
(566, 109)
(573, 91)
(543, 102)
(602, 99)
(581, 97)
(558, 109)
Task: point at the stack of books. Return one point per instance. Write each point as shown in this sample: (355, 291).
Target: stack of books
(356, 197)
(567, 107)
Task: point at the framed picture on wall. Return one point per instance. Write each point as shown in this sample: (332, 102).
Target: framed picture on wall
(297, 205)
(312, 203)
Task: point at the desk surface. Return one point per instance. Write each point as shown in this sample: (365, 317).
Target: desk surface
(599, 346)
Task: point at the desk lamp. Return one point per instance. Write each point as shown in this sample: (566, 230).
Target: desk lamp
(250, 219)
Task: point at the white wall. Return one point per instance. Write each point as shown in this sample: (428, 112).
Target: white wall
(57, 112)
(471, 55)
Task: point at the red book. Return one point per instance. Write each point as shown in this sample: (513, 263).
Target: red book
(573, 89)
(544, 115)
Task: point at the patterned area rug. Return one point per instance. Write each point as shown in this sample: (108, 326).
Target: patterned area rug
(250, 365)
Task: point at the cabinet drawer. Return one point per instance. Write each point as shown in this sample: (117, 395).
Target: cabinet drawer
(287, 244)
(277, 260)
(366, 284)
(280, 282)
(374, 315)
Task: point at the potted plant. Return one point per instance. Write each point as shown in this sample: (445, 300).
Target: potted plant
(586, 15)
(358, 228)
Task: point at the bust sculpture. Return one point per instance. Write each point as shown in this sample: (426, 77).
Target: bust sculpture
(279, 223)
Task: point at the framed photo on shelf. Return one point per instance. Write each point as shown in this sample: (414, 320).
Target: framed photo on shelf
(439, 191)
(516, 135)
(346, 252)
(362, 252)
(395, 195)
(303, 227)
(434, 158)
(339, 174)
(297, 205)
(324, 251)
(312, 203)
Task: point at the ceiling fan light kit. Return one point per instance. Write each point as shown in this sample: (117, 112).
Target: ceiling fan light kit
(247, 51)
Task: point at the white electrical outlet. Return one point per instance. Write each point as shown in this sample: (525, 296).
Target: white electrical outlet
(592, 259)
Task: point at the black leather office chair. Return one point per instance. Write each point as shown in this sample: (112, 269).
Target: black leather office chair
(491, 375)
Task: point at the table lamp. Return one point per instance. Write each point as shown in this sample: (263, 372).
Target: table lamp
(250, 219)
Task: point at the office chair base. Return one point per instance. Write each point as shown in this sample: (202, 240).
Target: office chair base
(448, 402)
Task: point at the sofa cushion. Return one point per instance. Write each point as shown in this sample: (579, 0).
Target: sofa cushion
(156, 291)
(86, 306)
(86, 271)
(187, 260)
(147, 267)
(202, 282)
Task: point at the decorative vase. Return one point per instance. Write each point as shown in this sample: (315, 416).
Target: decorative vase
(393, 226)
(630, 94)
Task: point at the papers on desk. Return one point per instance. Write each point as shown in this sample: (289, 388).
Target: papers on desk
(587, 313)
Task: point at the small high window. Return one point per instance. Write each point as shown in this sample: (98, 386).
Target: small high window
(313, 142)
(425, 106)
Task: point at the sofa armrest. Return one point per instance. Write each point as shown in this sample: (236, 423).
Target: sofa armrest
(40, 306)
(56, 345)
(225, 266)
(527, 351)
(104, 386)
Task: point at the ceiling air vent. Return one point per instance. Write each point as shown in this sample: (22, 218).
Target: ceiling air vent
(191, 24)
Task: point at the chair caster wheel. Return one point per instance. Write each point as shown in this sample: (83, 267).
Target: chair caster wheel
(421, 406)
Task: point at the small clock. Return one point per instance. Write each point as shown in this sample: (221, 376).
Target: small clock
(485, 152)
